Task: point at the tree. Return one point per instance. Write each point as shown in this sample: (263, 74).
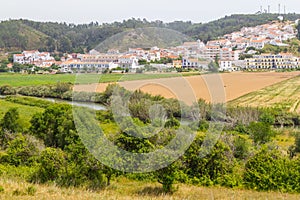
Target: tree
(267, 118)
(61, 88)
(212, 67)
(11, 121)
(269, 170)
(55, 126)
(294, 149)
(133, 144)
(167, 177)
(260, 132)
(64, 44)
(217, 59)
(21, 150)
(172, 123)
(241, 148)
(52, 165)
(210, 169)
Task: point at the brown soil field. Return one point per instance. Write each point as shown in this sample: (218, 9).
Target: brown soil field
(211, 87)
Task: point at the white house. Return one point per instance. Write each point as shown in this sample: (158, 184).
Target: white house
(43, 59)
(128, 61)
(225, 65)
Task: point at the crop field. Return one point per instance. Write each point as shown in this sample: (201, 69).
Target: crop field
(39, 79)
(221, 87)
(285, 95)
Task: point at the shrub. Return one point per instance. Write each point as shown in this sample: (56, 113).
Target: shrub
(21, 151)
(51, 165)
(260, 132)
(18, 192)
(31, 190)
(269, 170)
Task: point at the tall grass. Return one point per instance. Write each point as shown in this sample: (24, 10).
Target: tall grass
(128, 189)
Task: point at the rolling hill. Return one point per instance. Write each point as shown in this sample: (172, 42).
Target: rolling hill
(50, 36)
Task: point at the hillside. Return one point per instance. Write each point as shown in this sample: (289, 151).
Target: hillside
(15, 34)
(143, 38)
(49, 36)
(232, 23)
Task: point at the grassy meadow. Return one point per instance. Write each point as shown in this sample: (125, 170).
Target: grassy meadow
(25, 111)
(123, 189)
(285, 95)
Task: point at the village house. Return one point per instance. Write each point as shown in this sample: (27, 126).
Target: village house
(190, 63)
(177, 63)
(78, 65)
(128, 62)
(40, 59)
(225, 65)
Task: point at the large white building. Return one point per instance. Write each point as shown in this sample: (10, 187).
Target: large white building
(225, 65)
(271, 61)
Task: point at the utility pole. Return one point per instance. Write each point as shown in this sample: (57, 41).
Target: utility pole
(269, 9)
(279, 9)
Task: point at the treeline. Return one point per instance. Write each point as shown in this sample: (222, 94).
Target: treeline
(244, 156)
(63, 37)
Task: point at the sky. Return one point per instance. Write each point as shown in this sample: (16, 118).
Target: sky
(85, 11)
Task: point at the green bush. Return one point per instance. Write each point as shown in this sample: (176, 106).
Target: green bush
(18, 192)
(31, 190)
(21, 151)
(1, 189)
(269, 170)
(51, 165)
(260, 132)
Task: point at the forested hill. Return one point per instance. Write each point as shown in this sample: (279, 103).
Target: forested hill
(50, 36)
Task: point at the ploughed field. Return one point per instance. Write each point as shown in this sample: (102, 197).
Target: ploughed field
(215, 87)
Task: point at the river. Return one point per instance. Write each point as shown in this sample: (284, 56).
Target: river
(90, 105)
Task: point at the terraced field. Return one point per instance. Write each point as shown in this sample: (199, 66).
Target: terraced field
(284, 95)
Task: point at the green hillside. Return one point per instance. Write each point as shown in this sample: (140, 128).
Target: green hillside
(15, 34)
(49, 36)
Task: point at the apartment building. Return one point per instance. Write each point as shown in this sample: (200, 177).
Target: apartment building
(270, 61)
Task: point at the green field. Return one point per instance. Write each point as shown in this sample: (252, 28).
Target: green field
(31, 80)
(25, 111)
(285, 95)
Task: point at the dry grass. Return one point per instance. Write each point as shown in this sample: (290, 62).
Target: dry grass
(124, 189)
(285, 95)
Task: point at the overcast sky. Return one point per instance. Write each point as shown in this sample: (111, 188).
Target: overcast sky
(84, 11)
